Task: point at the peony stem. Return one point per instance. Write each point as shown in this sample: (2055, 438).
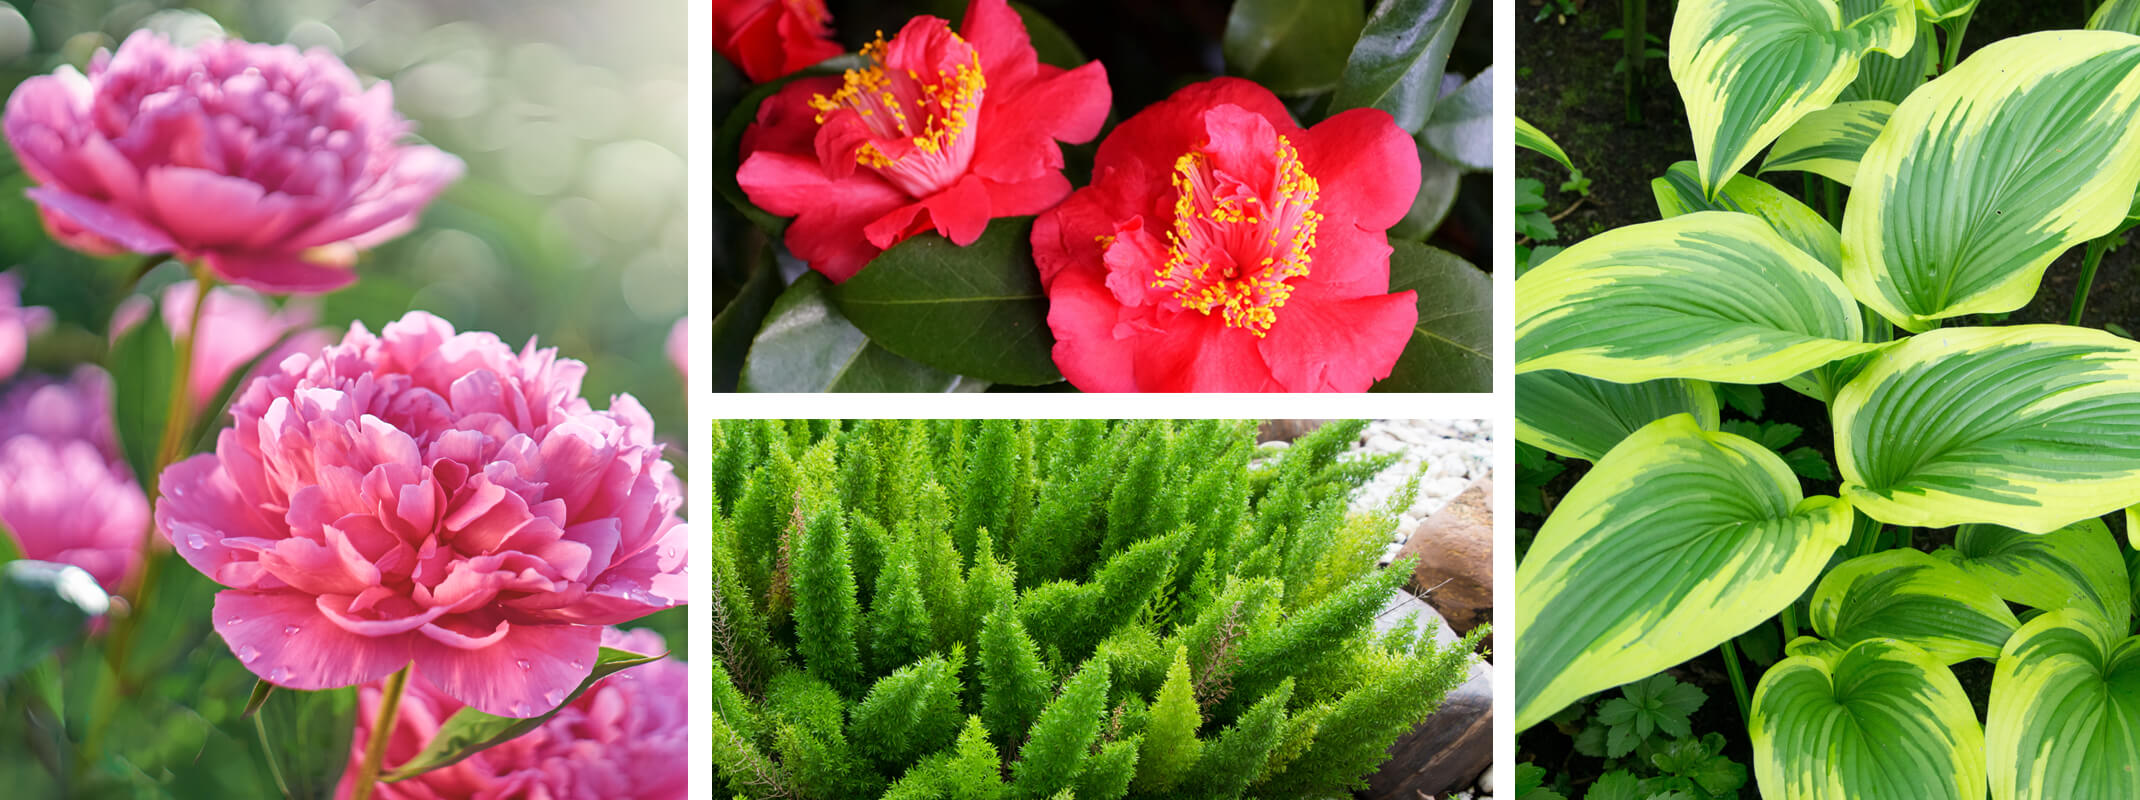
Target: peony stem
(178, 420)
(382, 732)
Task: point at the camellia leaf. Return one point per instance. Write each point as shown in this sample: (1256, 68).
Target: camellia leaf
(306, 737)
(976, 310)
(2048, 125)
(738, 323)
(1462, 127)
(1577, 417)
(1679, 192)
(1711, 295)
(1829, 142)
(2064, 718)
(2116, 15)
(1677, 540)
(1748, 69)
(42, 606)
(1397, 64)
(1909, 596)
(1292, 47)
(807, 346)
(142, 364)
(2075, 566)
(1891, 77)
(1439, 181)
(1451, 348)
(1529, 137)
(2033, 427)
(469, 731)
(1881, 719)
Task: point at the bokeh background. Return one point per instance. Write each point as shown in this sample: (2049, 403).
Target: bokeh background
(568, 226)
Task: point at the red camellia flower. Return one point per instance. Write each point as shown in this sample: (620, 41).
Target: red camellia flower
(771, 38)
(1222, 248)
(944, 131)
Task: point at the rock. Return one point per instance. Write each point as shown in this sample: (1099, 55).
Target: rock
(1286, 430)
(1447, 752)
(1455, 548)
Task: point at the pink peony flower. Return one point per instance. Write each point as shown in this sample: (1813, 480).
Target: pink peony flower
(64, 493)
(945, 132)
(271, 166)
(626, 738)
(17, 325)
(236, 326)
(1222, 248)
(680, 347)
(431, 496)
(75, 409)
(771, 38)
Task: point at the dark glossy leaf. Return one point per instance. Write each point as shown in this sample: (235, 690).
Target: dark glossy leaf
(728, 141)
(42, 606)
(306, 736)
(738, 323)
(469, 731)
(1291, 46)
(1462, 126)
(975, 310)
(1397, 65)
(1438, 182)
(1451, 349)
(1049, 41)
(143, 364)
(808, 346)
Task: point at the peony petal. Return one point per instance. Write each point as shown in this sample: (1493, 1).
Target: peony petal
(280, 274)
(1368, 168)
(200, 510)
(1326, 344)
(105, 221)
(283, 639)
(528, 672)
(203, 209)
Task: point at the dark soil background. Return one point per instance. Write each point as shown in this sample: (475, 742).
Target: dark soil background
(1566, 85)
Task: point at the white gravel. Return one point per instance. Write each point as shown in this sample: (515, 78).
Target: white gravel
(1454, 452)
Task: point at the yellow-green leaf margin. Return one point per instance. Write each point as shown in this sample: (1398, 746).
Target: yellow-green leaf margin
(1712, 295)
(1882, 719)
(1909, 596)
(1677, 540)
(1985, 175)
(2033, 427)
(2064, 718)
(1748, 69)
(1830, 142)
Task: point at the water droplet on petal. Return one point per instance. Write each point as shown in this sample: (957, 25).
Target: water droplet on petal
(248, 654)
(577, 665)
(555, 697)
(522, 710)
(524, 665)
(290, 630)
(196, 541)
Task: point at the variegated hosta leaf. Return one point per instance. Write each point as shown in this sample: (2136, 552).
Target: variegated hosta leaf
(1679, 192)
(1943, 10)
(2132, 526)
(1747, 69)
(1712, 295)
(1578, 417)
(1881, 719)
(1909, 596)
(2116, 15)
(1529, 137)
(2075, 566)
(1677, 540)
(1987, 174)
(2032, 427)
(2064, 719)
(1829, 142)
(1891, 78)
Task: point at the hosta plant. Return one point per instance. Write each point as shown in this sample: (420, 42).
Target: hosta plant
(1007, 609)
(1956, 182)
